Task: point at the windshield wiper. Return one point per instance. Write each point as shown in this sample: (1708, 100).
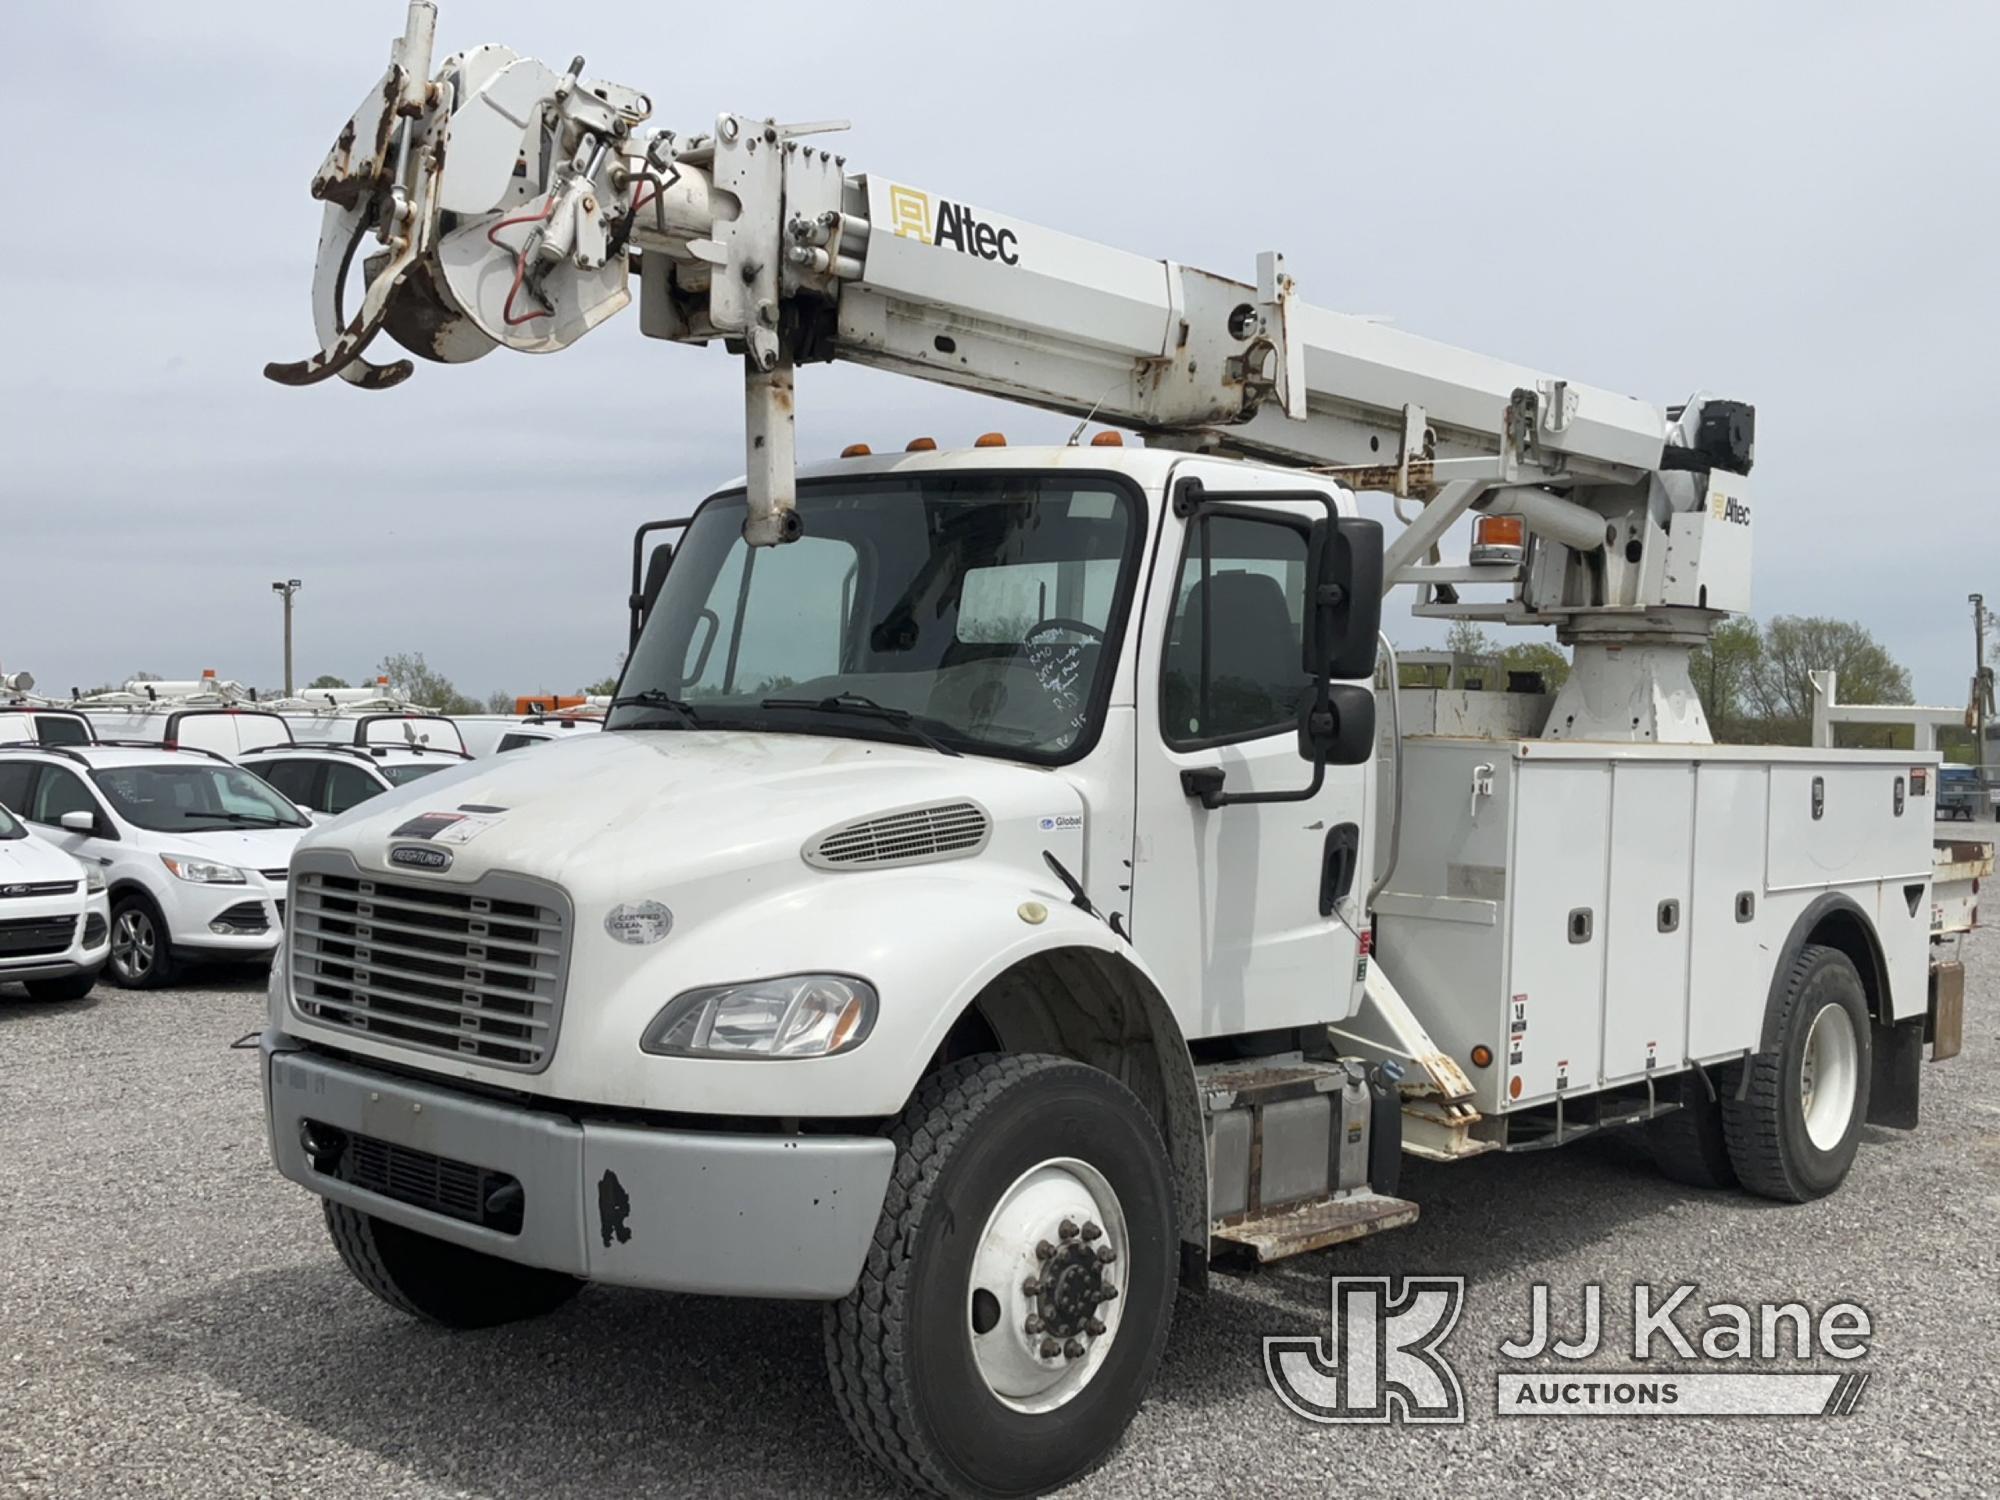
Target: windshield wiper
(654, 698)
(867, 708)
(259, 820)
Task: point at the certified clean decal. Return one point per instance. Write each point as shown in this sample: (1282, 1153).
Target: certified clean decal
(638, 923)
(448, 827)
(420, 857)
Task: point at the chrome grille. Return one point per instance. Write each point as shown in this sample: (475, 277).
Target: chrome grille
(474, 971)
(39, 888)
(914, 836)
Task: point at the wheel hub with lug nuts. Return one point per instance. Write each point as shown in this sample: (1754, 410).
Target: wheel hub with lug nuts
(1071, 1285)
(1044, 1299)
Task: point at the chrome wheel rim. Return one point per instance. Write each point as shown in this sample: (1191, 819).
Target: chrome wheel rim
(1046, 1292)
(132, 944)
(1829, 1072)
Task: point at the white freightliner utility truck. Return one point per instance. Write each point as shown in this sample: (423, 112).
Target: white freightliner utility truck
(965, 916)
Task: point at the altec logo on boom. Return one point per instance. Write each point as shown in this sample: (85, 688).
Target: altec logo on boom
(913, 218)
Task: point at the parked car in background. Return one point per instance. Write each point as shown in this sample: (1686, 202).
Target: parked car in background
(55, 927)
(23, 723)
(492, 734)
(1960, 793)
(326, 780)
(194, 850)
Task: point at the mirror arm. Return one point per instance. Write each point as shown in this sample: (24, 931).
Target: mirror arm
(1206, 782)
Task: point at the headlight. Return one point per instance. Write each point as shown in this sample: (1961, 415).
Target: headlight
(201, 871)
(795, 1015)
(93, 877)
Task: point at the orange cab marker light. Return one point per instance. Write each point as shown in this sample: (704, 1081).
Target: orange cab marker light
(856, 450)
(1108, 440)
(920, 445)
(990, 440)
(1482, 1057)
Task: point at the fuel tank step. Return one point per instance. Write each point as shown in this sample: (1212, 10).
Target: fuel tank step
(1299, 1228)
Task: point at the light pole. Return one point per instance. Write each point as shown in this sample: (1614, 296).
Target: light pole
(286, 589)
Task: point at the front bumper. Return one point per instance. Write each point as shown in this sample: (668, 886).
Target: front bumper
(677, 1210)
(88, 947)
(219, 921)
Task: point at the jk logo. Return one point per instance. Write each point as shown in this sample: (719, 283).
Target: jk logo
(1380, 1360)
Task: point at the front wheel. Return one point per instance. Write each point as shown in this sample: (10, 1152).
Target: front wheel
(1018, 1293)
(1793, 1131)
(141, 958)
(69, 987)
(438, 1281)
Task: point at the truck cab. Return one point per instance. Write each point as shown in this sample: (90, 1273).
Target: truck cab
(1009, 774)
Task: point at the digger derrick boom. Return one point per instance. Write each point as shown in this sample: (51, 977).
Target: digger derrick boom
(503, 203)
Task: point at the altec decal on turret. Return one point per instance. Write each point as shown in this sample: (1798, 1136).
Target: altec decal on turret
(914, 216)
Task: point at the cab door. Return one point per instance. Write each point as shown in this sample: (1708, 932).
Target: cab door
(1246, 912)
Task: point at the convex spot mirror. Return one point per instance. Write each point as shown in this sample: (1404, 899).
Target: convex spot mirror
(1343, 601)
(1343, 733)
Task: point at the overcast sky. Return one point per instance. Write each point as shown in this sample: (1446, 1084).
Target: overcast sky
(1790, 204)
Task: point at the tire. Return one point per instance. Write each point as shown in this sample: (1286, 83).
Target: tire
(1778, 1149)
(1688, 1145)
(910, 1366)
(438, 1281)
(69, 987)
(142, 956)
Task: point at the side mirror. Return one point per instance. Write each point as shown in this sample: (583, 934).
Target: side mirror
(1343, 732)
(1343, 599)
(79, 821)
(656, 578)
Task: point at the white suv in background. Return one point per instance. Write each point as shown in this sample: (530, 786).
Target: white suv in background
(194, 851)
(55, 928)
(329, 779)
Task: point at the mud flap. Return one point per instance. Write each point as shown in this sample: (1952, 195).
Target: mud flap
(1944, 1025)
(1894, 1084)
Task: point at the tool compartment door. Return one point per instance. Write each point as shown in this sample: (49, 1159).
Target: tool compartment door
(1646, 918)
(1562, 821)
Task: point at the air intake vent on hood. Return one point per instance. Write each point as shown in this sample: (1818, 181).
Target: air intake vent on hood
(915, 836)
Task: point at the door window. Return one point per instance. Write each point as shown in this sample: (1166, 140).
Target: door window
(1233, 667)
(292, 778)
(347, 786)
(60, 792)
(14, 783)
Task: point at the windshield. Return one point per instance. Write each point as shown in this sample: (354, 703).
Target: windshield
(192, 798)
(986, 608)
(398, 775)
(9, 828)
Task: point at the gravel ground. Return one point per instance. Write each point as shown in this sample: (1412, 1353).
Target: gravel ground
(172, 1320)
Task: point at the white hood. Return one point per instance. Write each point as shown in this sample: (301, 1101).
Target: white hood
(31, 861)
(603, 813)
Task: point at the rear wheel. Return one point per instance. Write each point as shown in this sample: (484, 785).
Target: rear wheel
(438, 1281)
(1688, 1144)
(1793, 1133)
(1018, 1294)
(69, 987)
(141, 958)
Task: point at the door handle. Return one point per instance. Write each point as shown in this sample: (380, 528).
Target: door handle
(1337, 865)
